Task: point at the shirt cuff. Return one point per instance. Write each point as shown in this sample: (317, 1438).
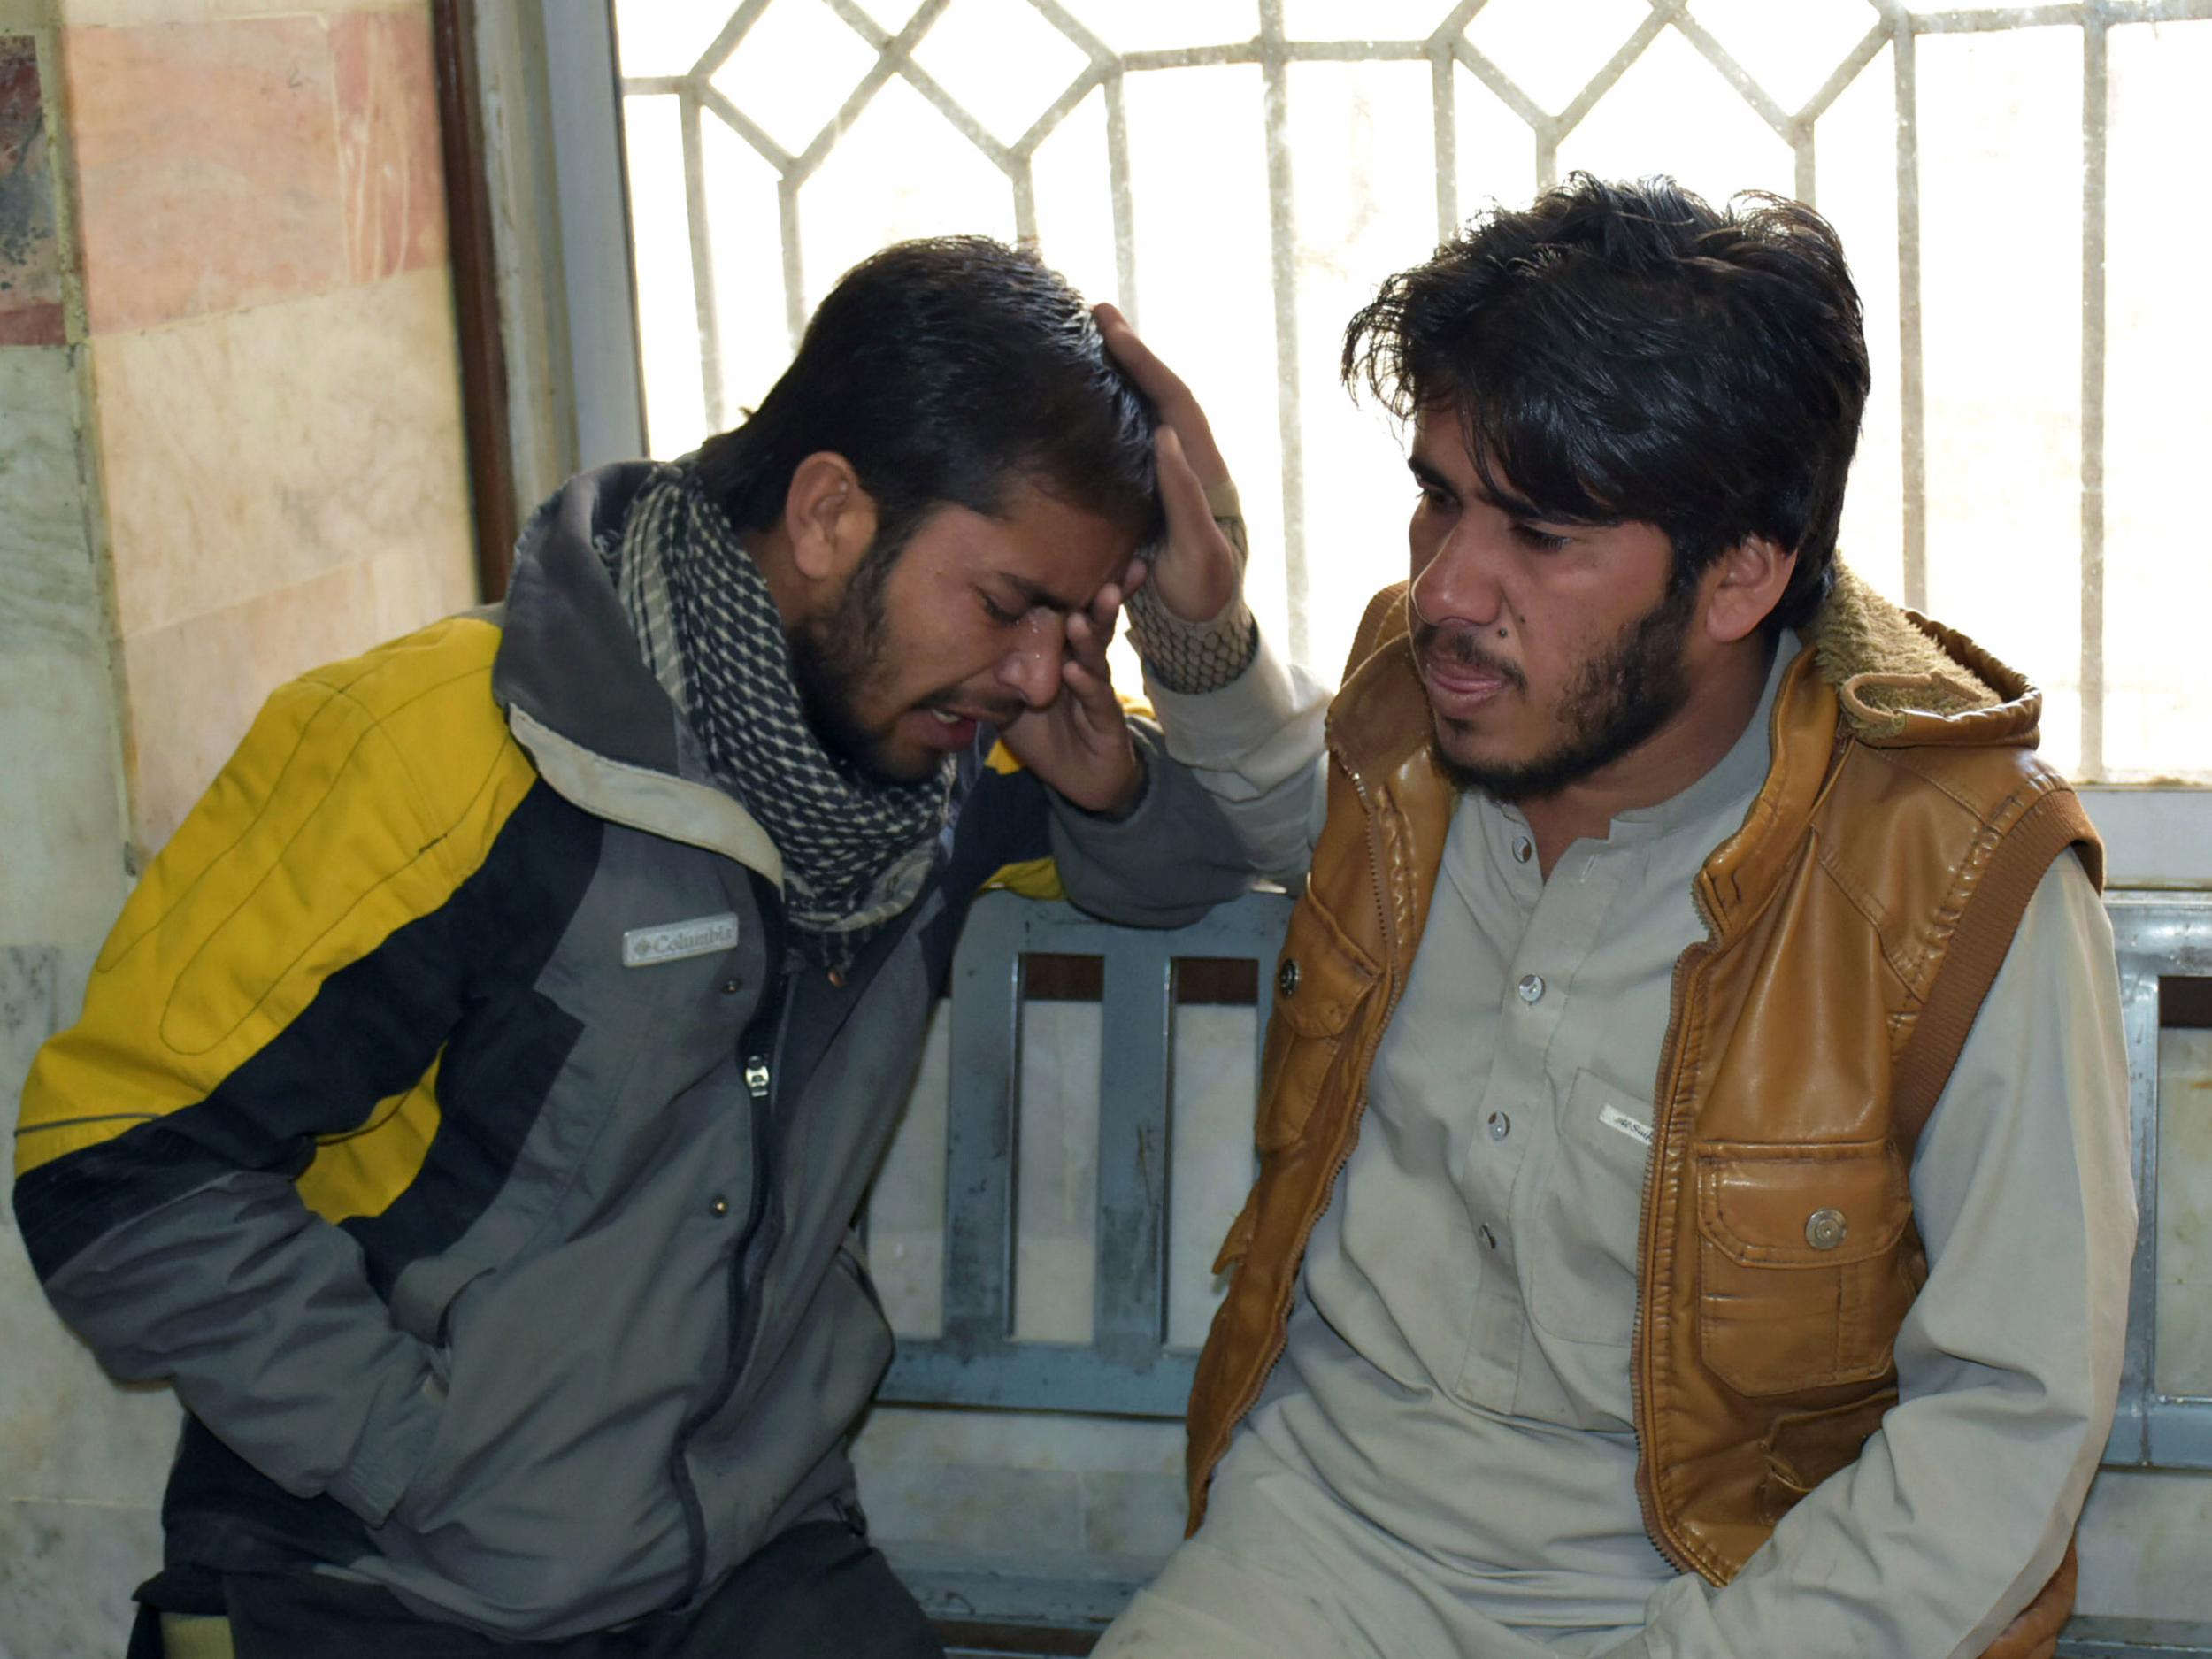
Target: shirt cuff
(1197, 657)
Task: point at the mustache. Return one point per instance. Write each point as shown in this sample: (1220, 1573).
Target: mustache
(1460, 645)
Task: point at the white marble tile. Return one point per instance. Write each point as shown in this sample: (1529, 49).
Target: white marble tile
(2185, 1212)
(48, 592)
(194, 687)
(26, 1017)
(66, 1574)
(2146, 1536)
(1216, 1082)
(61, 815)
(1056, 1206)
(249, 453)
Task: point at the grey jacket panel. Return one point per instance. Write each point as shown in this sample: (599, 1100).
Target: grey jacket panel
(547, 1505)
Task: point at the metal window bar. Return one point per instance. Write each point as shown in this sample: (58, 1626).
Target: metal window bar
(1274, 50)
(2157, 935)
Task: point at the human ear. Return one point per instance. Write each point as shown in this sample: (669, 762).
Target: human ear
(829, 518)
(1744, 585)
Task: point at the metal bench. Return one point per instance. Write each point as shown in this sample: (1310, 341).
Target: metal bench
(1129, 1368)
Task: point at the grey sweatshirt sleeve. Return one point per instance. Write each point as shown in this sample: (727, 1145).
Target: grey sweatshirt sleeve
(1167, 862)
(260, 1314)
(1959, 1508)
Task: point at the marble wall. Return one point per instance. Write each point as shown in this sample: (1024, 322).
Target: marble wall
(230, 448)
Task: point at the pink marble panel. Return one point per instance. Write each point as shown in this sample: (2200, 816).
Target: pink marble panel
(390, 168)
(30, 254)
(194, 688)
(207, 160)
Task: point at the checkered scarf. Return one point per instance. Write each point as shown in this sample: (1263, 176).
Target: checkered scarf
(855, 853)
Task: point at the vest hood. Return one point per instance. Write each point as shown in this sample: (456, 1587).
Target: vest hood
(1902, 680)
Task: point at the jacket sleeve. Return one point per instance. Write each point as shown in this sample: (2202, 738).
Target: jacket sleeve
(284, 975)
(1960, 1507)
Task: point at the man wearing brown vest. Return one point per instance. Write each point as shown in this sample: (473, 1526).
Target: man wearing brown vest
(1694, 1211)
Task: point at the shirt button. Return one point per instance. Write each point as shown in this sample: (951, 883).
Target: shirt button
(729, 988)
(837, 978)
(1489, 1238)
(1524, 850)
(1531, 988)
(1501, 1126)
(719, 1207)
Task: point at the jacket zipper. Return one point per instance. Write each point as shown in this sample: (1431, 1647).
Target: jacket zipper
(1281, 1339)
(759, 1073)
(1663, 1113)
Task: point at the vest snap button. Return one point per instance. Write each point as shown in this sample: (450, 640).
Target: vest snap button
(1286, 978)
(1824, 1229)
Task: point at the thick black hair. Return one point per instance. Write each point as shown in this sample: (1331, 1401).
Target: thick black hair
(949, 370)
(1622, 352)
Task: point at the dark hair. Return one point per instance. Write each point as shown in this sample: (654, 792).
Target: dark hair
(946, 370)
(1623, 351)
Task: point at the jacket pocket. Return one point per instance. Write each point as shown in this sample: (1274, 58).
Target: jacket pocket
(1800, 1283)
(1321, 977)
(1803, 1448)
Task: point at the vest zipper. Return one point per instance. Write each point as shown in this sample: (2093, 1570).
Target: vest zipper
(1663, 1116)
(1343, 1156)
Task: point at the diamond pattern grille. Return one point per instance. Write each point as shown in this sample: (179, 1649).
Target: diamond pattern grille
(1552, 109)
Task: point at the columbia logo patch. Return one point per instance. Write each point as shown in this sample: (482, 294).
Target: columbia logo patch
(672, 942)
(1613, 1118)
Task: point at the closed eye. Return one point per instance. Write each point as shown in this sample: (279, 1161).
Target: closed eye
(1000, 616)
(1539, 540)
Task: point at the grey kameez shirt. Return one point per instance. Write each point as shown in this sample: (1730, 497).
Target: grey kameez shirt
(1447, 1447)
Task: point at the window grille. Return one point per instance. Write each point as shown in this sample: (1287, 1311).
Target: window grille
(1976, 154)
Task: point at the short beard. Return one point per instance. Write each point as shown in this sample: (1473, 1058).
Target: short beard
(833, 657)
(1622, 695)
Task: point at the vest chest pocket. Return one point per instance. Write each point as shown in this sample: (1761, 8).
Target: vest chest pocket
(1320, 980)
(1800, 1278)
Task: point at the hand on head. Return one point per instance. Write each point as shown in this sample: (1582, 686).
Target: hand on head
(1195, 570)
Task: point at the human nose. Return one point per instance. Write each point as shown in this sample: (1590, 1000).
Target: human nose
(1031, 670)
(1459, 582)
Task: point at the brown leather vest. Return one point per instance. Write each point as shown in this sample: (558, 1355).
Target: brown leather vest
(1901, 828)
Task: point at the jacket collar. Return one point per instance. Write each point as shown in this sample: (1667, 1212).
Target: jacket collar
(1875, 674)
(578, 697)
(567, 660)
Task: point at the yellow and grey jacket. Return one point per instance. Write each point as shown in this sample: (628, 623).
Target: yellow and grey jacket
(445, 1122)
